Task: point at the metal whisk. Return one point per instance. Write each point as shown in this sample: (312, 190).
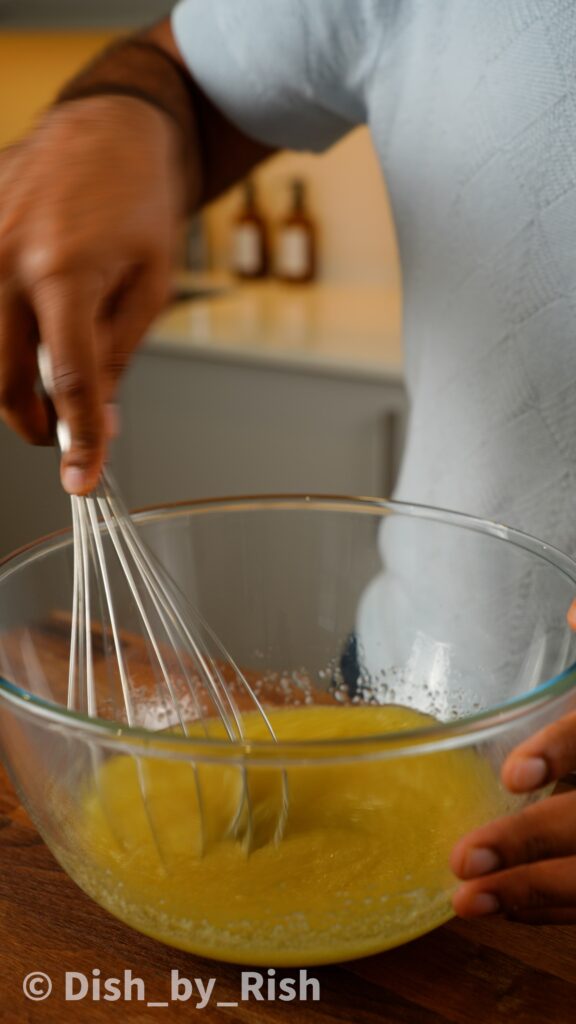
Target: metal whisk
(197, 687)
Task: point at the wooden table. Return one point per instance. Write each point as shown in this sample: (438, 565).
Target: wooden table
(490, 972)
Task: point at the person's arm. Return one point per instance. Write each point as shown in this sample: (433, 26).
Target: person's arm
(90, 206)
(149, 66)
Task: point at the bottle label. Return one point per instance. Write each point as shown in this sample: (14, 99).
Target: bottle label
(247, 249)
(294, 252)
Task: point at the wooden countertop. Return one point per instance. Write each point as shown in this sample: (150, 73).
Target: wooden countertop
(353, 330)
(490, 972)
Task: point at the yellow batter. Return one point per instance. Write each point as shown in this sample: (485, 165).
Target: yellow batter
(362, 865)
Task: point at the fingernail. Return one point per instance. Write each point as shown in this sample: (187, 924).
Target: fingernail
(484, 903)
(530, 773)
(64, 436)
(480, 862)
(74, 479)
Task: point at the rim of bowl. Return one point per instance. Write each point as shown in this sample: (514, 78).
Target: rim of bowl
(461, 731)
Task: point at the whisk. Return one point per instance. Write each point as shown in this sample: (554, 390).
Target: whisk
(197, 683)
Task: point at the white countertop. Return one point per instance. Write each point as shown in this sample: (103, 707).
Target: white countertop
(350, 330)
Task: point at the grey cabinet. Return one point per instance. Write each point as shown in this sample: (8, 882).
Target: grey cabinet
(195, 426)
(81, 13)
(33, 502)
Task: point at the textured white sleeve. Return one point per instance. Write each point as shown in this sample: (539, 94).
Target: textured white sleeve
(289, 73)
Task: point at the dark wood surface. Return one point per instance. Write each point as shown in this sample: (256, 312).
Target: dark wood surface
(490, 972)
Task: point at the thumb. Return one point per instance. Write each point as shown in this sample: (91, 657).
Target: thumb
(66, 314)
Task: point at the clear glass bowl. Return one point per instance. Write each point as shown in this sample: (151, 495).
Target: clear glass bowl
(401, 653)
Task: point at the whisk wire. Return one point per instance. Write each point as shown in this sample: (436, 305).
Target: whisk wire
(155, 578)
(159, 583)
(156, 596)
(90, 508)
(173, 623)
(75, 655)
(124, 680)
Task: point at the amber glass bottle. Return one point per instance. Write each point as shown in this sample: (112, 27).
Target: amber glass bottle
(249, 251)
(296, 242)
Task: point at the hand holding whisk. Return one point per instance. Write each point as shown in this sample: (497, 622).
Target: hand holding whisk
(196, 682)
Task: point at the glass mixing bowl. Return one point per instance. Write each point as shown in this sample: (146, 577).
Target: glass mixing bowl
(400, 652)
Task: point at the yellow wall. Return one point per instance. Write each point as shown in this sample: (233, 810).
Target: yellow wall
(33, 65)
(347, 195)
